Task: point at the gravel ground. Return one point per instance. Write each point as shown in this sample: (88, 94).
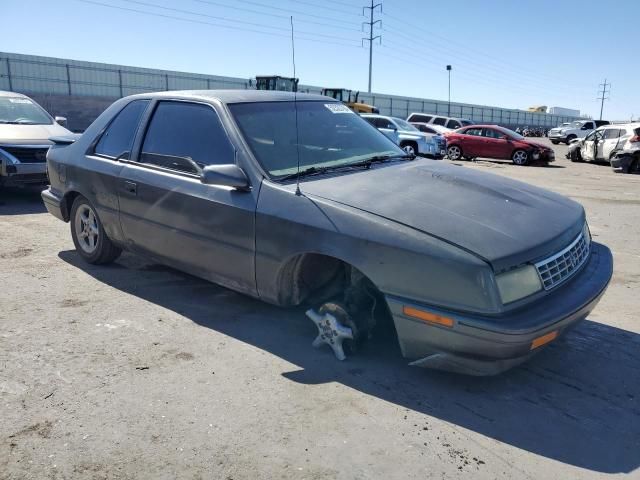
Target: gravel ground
(139, 371)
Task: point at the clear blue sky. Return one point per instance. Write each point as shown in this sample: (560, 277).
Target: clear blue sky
(509, 53)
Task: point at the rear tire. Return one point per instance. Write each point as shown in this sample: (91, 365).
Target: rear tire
(634, 167)
(555, 142)
(520, 157)
(454, 152)
(88, 234)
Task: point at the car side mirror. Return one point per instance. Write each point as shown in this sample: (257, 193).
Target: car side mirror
(504, 137)
(62, 121)
(225, 175)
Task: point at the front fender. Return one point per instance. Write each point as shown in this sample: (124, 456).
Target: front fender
(398, 259)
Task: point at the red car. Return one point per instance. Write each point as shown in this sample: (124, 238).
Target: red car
(492, 141)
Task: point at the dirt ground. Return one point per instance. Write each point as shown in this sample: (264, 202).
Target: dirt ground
(138, 371)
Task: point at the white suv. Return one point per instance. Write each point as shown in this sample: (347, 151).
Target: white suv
(603, 143)
(448, 122)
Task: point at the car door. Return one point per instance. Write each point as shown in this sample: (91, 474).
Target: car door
(472, 142)
(589, 146)
(495, 145)
(609, 143)
(388, 128)
(100, 170)
(166, 211)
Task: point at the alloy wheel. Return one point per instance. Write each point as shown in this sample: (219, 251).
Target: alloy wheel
(87, 229)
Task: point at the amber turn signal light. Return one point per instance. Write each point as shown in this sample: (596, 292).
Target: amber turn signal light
(427, 316)
(544, 339)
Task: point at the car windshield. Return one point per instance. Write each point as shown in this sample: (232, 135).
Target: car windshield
(404, 125)
(327, 135)
(22, 111)
(510, 133)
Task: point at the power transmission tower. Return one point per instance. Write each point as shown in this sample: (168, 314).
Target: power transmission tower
(371, 38)
(603, 95)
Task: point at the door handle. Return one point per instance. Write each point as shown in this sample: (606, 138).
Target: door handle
(131, 187)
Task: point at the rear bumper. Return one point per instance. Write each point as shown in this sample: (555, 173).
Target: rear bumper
(622, 162)
(482, 345)
(558, 138)
(54, 204)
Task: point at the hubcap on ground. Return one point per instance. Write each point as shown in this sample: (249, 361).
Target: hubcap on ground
(87, 230)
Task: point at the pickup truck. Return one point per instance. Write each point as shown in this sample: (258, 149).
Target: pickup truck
(577, 129)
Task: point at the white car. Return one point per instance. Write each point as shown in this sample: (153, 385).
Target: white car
(603, 143)
(408, 137)
(25, 129)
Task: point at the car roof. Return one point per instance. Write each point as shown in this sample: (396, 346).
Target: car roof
(236, 96)
(4, 93)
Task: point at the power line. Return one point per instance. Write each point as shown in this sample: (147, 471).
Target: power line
(229, 27)
(289, 11)
(603, 94)
(371, 38)
(274, 15)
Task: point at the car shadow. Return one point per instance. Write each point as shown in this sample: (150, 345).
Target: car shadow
(21, 201)
(502, 163)
(577, 402)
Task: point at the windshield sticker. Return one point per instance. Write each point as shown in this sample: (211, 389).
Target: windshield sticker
(337, 108)
(20, 100)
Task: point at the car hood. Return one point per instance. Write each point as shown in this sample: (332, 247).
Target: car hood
(503, 221)
(30, 134)
(541, 146)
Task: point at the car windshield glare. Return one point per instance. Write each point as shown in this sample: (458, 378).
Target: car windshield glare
(23, 111)
(326, 135)
(404, 125)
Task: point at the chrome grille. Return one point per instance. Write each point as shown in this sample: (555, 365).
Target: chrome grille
(27, 154)
(560, 267)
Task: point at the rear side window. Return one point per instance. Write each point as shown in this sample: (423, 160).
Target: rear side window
(118, 137)
(611, 133)
(476, 132)
(417, 117)
(439, 121)
(185, 137)
(453, 124)
(425, 129)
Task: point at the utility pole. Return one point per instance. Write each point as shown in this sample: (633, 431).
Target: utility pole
(371, 38)
(449, 103)
(603, 95)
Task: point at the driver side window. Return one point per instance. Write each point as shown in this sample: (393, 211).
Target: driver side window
(186, 137)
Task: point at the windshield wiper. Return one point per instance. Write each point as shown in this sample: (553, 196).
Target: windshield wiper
(363, 163)
(305, 172)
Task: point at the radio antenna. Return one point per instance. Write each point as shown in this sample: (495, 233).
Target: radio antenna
(295, 106)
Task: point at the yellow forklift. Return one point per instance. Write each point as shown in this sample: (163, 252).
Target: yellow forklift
(350, 99)
(277, 83)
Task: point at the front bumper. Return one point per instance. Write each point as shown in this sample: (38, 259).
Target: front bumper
(23, 174)
(558, 137)
(483, 345)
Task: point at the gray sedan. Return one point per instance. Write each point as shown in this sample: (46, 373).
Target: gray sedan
(297, 200)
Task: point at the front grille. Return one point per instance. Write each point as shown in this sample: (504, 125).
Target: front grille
(560, 267)
(28, 154)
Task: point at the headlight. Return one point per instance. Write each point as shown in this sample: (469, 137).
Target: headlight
(518, 283)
